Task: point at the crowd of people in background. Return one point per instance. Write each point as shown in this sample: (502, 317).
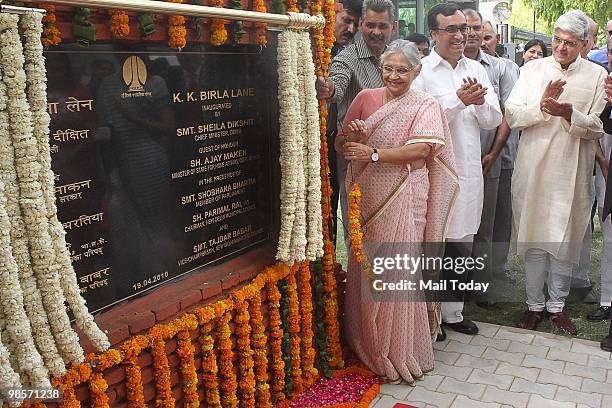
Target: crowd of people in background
(452, 143)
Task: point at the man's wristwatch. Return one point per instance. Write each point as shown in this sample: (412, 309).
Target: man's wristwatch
(375, 156)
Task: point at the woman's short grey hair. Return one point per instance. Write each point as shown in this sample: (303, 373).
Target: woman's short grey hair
(379, 6)
(405, 47)
(574, 22)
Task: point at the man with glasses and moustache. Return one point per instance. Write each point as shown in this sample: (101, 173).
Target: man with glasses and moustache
(502, 81)
(556, 103)
(465, 92)
(356, 68)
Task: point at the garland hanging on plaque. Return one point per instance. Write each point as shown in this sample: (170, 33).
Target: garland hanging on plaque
(83, 30)
(218, 32)
(147, 24)
(119, 23)
(262, 28)
(177, 33)
(35, 263)
(301, 233)
(237, 28)
(51, 34)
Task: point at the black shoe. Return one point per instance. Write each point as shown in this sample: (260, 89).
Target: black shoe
(606, 343)
(465, 327)
(581, 295)
(487, 304)
(601, 313)
(441, 335)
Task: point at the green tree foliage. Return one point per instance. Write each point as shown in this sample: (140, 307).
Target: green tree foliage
(522, 17)
(598, 10)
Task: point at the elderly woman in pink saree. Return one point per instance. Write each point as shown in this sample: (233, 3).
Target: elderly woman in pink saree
(398, 143)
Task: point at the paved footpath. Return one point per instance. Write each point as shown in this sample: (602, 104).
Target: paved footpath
(509, 367)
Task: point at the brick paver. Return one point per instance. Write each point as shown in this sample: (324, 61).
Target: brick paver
(509, 367)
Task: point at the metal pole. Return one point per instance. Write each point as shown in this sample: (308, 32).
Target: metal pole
(420, 6)
(20, 10)
(291, 20)
(534, 16)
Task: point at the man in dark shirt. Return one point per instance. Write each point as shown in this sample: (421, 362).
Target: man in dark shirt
(345, 27)
(356, 68)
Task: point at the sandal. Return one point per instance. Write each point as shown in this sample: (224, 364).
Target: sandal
(563, 323)
(530, 320)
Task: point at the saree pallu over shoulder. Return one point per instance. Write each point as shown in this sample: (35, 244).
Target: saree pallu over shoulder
(416, 117)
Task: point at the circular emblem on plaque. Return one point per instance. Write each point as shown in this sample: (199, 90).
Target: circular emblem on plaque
(134, 74)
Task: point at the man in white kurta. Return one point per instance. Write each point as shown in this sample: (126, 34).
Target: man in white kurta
(453, 80)
(556, 102)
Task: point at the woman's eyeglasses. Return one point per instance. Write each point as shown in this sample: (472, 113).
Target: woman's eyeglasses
(399, 71)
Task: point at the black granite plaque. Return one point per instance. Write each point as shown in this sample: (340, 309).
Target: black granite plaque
(162, 160)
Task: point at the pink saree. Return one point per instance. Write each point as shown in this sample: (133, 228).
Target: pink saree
(401, 209)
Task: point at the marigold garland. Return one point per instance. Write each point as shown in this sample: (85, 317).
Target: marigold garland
(119, 23)
(209, 364)
(251, 344)
(177, 33)
(276, 342)
(218, 32)
(262, 28)
(78, 374)
(97, 390)
(291, 6)
(229, 385)
(259, 342)
(163, 396)
(185, 351)
(293, 318)
(324, 44)
(51, 34)
(320, 333)
(354, 216)
(355, 232)
(309, 373)
(133, 373)
(245, 354)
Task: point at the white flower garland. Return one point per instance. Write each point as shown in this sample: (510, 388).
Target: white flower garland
(8, 377)
(313, 149)
(29, 364)
(287, 93)
(31, 296)
(31, 23)
(298, 237)
(301, 233)
(31, 196)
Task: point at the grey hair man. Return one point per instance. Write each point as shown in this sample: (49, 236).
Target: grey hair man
(355, 68)
(551, 206)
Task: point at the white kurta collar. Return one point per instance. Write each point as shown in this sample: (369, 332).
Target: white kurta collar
(436, 60)
(574, 65)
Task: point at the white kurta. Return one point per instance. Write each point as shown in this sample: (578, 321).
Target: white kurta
(551, 184)
(439, 79)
